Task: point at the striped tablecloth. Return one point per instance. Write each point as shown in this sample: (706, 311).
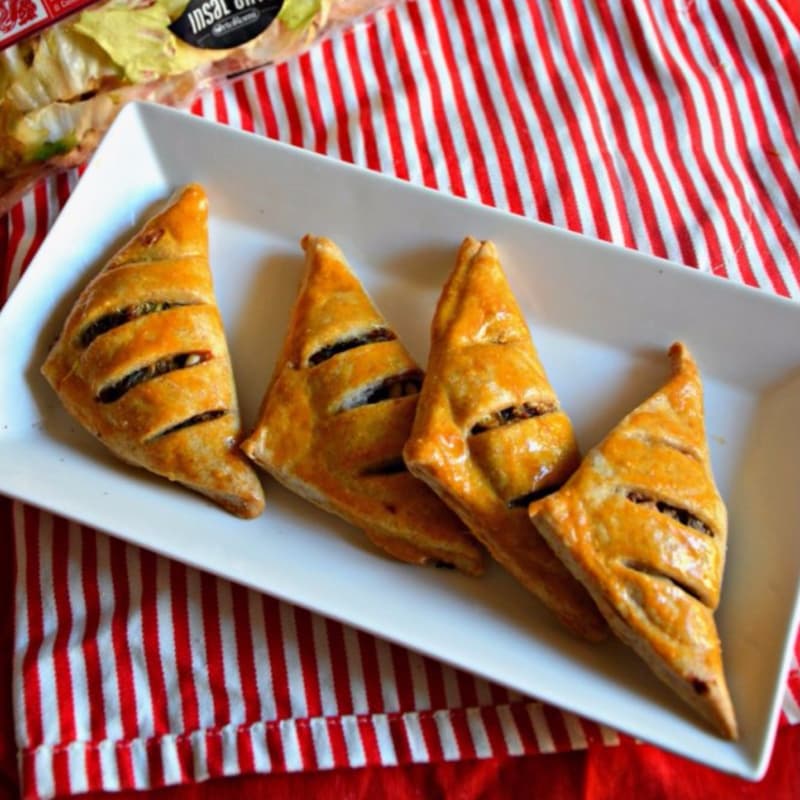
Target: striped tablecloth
(669, 127)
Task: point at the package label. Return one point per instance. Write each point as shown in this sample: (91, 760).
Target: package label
(221, 24)
(19, 18)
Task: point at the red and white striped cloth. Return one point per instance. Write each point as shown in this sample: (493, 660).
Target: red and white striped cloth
(670, 127)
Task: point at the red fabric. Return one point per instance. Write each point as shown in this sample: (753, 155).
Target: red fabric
(599, 773)
(8, 750)
(627, 771)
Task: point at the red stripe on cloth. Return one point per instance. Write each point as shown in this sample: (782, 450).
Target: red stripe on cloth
(599, 145)
(125, 766)
(650, 70)
(340, 107)
(277, 659)
(542, 209)
(622, 146)
(290, 104)
(27, 771)
(65, 699)
(243, 104)
(308, 660)
(245, 654)
(786, 55)
(402, 677)
(148, 607)
(717, 192)
(780, 116)
(155, 764)
(244, 750)
(213, 752)
(513, 197)
(436, 688)
(558, 729)
(311, 99)
(400, 739)
(369, 739)
(494, 732)
(305, 743)
(522, 720)
(498, 693)
(731, 174)
(6, 253)
(220, 107)
(214, 657)
(62, 189)
(763, 126)
(592, 732)
(15, 220)
(119, 638)
(340, 669)
(386, 90)
(31, 680)
(462, 105)
(467, 689)
(42, 222)
(743, 140)
(371, 671)
(61, 781)
(275, 747)
(89, 646)
(570, 115)
(338, 744)
(265, 105)
(184, 661)
(93, 768)
(442, 109)
(411, 93)
(365, 111)
(185, 758)
(431, 737)
(555, 154)
(17, 224)
(463, 737)
(625, 65)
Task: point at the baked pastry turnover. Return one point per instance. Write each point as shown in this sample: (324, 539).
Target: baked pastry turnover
(489, 434)
(642, 525)
(338, 411)
(142, 362)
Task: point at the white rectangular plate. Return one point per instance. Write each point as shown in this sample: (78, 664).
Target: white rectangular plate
(602, 318)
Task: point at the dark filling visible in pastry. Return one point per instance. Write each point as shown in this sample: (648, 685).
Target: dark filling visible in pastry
(699, 686)
(506, 416)
(329, 351)
(524, 500)
(391, 467)
(390, 388)
(112, 392)
(646, 569)
(679, 514)
(116, 318)
(197, 419)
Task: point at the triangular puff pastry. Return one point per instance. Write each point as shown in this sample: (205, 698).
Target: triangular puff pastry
(338, 411)
(489, 434)
(642, 525)
(142, 361)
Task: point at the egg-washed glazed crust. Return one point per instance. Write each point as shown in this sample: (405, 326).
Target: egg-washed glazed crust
(143, 364)
(338, 411)
(642, 524)
(489, 433)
